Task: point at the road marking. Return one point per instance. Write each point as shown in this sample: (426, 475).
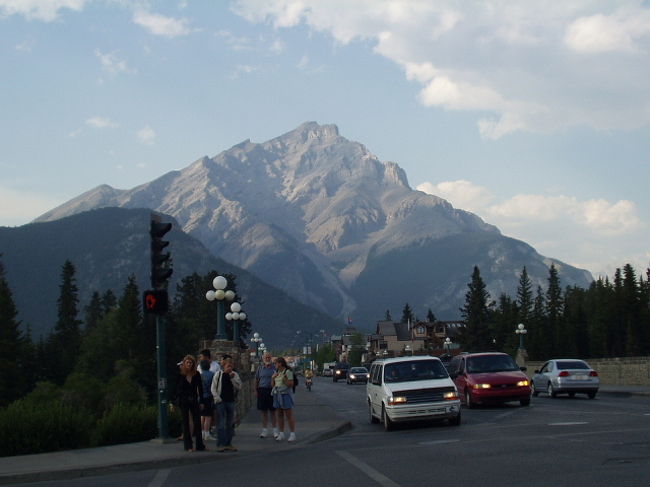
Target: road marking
(568, 423)
(437, 442)
(378, 477)
(160, 478)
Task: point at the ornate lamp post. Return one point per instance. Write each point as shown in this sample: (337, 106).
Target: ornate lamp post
(219, 294)
(236, 315)
(447, 344)
(257, 341)
(521, 331)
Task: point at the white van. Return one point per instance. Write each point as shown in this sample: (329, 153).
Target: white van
(411, 389)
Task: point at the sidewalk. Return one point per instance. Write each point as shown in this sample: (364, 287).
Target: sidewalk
(314, 422)
(624, 390)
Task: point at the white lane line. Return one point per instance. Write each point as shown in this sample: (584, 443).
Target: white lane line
(378, 477)
(437, 442)
(160, 478)
(568, 423)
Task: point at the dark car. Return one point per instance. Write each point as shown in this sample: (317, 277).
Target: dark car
(340, 371)
(358, 375)
(488, 378)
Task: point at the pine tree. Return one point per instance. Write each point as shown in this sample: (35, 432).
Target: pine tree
(65, 341)
(476, 313)
(632, 312)
(13, 345)
(431, 318)
(554, 310)
(537, 341)
(94, 312)
(524, 297)
(109, 302)
(407, 315)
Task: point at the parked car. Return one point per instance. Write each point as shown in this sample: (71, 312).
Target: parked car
(566, 376)
(489, 378)
(358, 374)
(411, 389)
(340, 371)
(328, 369)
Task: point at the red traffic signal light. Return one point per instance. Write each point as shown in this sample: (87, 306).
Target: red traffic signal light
(155, 302)
(161, 269)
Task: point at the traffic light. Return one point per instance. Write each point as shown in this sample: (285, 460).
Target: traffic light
(161, 269)
(155, 302)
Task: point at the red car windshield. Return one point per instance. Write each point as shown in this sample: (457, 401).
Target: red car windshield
(491, 363)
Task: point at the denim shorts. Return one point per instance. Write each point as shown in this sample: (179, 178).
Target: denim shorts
(282, 401)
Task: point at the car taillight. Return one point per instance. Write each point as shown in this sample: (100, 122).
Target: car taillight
(593, 373)
(564, 373)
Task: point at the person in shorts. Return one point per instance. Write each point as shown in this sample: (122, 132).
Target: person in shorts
(283, 380)
(263, 388)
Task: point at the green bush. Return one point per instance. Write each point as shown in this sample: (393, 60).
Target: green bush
(28, 426)
(126, 423)
(84, 390)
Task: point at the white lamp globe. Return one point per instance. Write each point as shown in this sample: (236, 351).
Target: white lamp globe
(235, 316)
(210, 295)
(219, 294)
(235, 307)
(242, 316)
(229, 316)
(256, 335)
(230, 295)
(219, 282)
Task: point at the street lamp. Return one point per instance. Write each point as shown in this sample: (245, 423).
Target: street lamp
(447, 344)
(236, 315)
(521, 331)
(257, 340)
(408, 350)
(219, 294)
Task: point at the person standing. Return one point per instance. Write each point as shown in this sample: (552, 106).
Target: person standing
(189, 391)
(263, 388)
(225, 385)
(207, 400)
(283, 380)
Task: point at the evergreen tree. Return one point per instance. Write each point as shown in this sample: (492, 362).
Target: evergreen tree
(573, 337)
(109, 302)
(524, 297)
(94, 312)
(537, 340)
(632, 312)
(407, 315)
(13, 346)
(554, 310)
(505, 320)
(476, 314)
(431, 318)
(65, 341)
(598, 303)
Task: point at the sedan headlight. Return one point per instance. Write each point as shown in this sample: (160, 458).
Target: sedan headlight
(523, 383)
(352, 376)
(392, 400)
(482, 386)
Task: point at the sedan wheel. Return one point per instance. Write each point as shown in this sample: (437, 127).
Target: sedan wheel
(551, 392)
(535, 391)
(468, 399)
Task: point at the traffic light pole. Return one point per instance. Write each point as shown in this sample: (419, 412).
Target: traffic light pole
(163, 429)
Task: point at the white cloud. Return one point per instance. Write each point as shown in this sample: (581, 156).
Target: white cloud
(112, 64)
(44, 10)
(99, 123)
(21, 207)
(160, 25)
(595, 234)
(242, 69)
(146, 135)
(521, 66)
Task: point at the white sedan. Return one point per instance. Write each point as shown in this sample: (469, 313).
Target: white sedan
(566, 376)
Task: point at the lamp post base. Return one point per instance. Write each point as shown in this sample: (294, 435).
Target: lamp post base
(522, 357)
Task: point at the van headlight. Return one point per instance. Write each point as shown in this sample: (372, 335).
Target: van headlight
(393, 400)
(450, 396)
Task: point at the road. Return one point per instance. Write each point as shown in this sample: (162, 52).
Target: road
(553, 442)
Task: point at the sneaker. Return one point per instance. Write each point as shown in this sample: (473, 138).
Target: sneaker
(264, 433)
(292, 437)
(280, 437)
(231, 448)
(222, 449)
(275, 433)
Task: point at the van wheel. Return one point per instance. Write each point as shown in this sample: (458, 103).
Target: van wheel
(388, 424)
(373, 419)
(455, 421)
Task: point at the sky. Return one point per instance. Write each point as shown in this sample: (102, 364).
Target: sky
(533, 115)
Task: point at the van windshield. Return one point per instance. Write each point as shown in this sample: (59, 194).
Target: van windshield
(491, 363)
(415, 370)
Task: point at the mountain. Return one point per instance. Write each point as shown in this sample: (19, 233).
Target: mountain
(320, 217)
(107, 246)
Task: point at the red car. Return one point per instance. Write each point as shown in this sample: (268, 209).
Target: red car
(489, 378)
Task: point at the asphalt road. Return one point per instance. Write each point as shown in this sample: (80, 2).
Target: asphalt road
(553, 442)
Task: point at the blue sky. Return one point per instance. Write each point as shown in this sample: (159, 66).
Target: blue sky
(533, 115)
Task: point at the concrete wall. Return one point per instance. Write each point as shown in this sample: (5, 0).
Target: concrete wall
(627, 371)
